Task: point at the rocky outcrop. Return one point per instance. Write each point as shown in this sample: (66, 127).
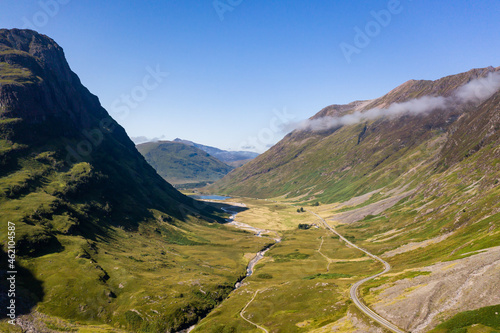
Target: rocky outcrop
(50, 89)
(45, 108)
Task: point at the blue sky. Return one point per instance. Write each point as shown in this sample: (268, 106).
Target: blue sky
(238, 70)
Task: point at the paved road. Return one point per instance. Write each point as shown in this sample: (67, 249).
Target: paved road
(354, 288)
(243, 311)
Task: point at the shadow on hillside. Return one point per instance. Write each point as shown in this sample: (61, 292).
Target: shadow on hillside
(28, 289)
(226, 209)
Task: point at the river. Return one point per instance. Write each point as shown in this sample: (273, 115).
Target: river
(209, 197)
(258, 233)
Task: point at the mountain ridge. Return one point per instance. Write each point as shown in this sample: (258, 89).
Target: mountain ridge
(420, 190)
(105, 244)
(405, 129)
(97, 231)
(183, 164)
(57, 105)
(232, 158)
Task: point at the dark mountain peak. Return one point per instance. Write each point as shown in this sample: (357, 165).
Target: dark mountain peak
(41, 47)
(37, 84)
(51, 126)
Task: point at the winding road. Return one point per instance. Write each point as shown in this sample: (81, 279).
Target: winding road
(354, 288)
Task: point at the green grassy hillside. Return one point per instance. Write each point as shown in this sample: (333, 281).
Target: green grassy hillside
(102, 241)
(182, 164)
(421, 191)
(346, 161)
(232, 158)
(104, 244)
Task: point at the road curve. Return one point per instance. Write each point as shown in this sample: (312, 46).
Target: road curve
(354, 288)
(243, 311)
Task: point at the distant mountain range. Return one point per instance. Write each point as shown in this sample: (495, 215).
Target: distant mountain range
(232, 158)
(183, 165)
(187, 164)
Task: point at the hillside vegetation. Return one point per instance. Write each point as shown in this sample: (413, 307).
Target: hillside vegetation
(345, 161)
(422, 191)
(232, 158)
(183, 165)
(103, 242)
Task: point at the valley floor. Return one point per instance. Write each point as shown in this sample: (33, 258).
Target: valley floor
(303, 283)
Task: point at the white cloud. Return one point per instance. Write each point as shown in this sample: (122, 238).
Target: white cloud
(475, 91)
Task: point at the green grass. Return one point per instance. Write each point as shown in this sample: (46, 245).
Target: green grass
(289, 257)
(328, 276)
(93, 261)
(106, 245)
(103, 242)
(488, 317)
(143, 272)
(16, 75)
(471, 214)
(297, 293)
(321, 172)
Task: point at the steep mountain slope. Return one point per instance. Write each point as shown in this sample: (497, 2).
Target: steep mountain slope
(447, 230)
(232, 158)
(343, 161)
(420, 190)
(100, 237)
(59, 144)
(182, 164)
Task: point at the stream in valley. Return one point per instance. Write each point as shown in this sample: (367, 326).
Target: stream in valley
(258, 233)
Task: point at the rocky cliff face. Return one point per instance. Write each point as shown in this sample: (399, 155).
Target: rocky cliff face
(38, 84)
(53, 129)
